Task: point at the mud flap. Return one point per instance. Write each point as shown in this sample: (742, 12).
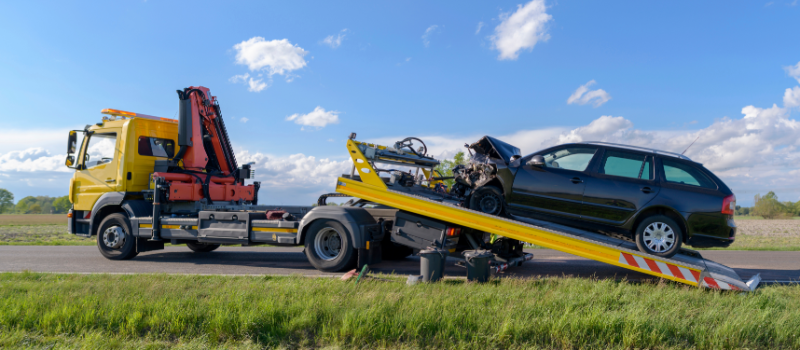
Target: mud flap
(145, 245)
(370, 255)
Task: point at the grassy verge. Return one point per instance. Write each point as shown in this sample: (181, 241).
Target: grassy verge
(162, 311)
(40, 235)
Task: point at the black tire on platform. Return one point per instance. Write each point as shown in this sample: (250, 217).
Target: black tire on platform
(114, 239)
(659, 235)
(487, 199)
(329, 246)
(198, 247)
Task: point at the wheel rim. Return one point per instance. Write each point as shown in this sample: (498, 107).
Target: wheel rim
(114, 237)
(489, 203)
(328, 244)
(659, 237)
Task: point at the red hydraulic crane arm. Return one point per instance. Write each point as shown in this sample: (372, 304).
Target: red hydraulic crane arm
(202, 134)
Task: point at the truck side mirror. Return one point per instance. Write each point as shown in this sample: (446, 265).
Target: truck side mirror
(72, 142)
(70, 161)
(537, 161)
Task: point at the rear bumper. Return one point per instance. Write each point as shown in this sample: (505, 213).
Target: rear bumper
(703, 241)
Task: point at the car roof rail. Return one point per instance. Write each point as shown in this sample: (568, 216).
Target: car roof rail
(637, 148)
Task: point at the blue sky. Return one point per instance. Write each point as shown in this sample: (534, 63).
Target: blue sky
(664, 73)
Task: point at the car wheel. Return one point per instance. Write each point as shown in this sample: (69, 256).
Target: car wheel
(114, 238)
(659, 235)
(487, 200)
(328, 246)
(198, 247)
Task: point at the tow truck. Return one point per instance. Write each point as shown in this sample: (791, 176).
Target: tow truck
(141, 181)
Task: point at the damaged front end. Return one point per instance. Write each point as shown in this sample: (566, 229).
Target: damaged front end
(485, 180)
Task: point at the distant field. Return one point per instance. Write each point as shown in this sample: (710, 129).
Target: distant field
(256, 312)
(32, 219)
(747, 217)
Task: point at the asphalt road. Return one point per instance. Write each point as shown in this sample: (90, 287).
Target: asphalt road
(773, 266)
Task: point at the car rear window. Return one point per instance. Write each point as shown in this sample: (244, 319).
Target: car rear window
(626, 164)
(155, 147)
(685, 174)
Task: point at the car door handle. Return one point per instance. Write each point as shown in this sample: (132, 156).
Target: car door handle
(647, 190)
(111, 180)
(576, 180)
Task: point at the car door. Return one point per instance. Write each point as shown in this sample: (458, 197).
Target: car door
(623, 183)
(98, 173)
(555, 187)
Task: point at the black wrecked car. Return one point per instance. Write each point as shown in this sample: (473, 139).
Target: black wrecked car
(658, 199)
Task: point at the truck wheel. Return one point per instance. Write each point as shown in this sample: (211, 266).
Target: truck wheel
(488, 199)
(328, 246)
(659, 235)
(114, 238)
(394, 251)
(198, 247)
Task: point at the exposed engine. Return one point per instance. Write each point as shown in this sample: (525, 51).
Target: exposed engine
(489, 155)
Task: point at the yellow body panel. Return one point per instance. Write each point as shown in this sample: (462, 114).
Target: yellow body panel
(128, 171)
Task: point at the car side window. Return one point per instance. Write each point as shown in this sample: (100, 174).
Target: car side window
(685, 174)
(570, 158)
(100, 150)
(626, 164)
(151, 146)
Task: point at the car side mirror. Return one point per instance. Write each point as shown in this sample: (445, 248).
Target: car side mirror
(537, 161)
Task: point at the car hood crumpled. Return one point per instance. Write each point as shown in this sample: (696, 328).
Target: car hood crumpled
(494, 148)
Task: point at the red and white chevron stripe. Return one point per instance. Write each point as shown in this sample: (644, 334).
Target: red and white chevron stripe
(717, 284)
(663, 268)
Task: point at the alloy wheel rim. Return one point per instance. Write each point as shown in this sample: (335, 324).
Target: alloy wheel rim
(659, 237)
(114, 237)
(328, 244)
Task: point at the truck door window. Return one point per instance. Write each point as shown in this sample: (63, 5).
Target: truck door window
(685, 174)
(626, 164)
(155, 147)
(100, 150)
(571, 158)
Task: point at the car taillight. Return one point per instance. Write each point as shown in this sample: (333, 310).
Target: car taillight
(729, 205)
(453, 231)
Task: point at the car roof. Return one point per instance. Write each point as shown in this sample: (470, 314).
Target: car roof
(637, 148)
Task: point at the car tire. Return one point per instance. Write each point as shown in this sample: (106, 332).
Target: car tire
(394, 251)
(114, 239)
(488, 199)
(659, 235)
(329, 247)
(198, 247)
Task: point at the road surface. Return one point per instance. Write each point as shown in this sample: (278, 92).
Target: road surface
(773, 266)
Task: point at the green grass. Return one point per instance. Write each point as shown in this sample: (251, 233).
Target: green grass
(162, 311)
(40, 235)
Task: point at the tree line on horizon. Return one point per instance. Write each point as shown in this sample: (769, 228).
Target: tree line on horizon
(33, 204)
(769, 207)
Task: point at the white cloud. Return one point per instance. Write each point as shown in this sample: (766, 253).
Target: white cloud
(791, 98)
(521, 30)
(318, 118)
(270, 57)
(426, 37)
(480, 26)
(254, 84)
(582, 95)
(244, 120)
(793, 71)
(32, 160)
(335, 41)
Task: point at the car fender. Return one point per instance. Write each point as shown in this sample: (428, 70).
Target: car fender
(351, 218)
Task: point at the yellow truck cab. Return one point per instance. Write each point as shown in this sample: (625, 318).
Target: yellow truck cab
(113, 162)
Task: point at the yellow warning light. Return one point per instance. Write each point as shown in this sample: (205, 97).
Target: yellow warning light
(126, 114)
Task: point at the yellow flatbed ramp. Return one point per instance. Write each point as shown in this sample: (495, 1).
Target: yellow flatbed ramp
(686, 267)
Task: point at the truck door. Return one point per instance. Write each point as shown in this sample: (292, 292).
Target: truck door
(555, 187)
(98, 172)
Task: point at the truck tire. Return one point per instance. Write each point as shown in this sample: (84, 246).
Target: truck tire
(487, 199)
(329, 246)
(198, 247)
(659, 235)
(114, 238)
(394, 251)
